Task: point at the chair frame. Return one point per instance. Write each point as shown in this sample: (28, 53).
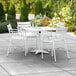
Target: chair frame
(11, 34)
(52, 41)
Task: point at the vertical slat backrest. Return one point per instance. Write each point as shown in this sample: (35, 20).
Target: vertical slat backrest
(61, 32)
(9, 27)
(61, 24)
(21, 25)
(60, 28)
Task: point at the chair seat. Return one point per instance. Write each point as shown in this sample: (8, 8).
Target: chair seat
(17, 37)
(52, 40)
(47, 41)
(30, 34)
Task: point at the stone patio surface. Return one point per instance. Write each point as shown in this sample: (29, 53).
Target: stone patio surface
(16, 64)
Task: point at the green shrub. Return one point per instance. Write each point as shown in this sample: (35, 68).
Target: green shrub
(11, 12)
(14, 24)
(3, 27)
(71, 28)
(24, 11)
(37, 20)
(2, 14)
(45, 21)
(38, 7)
(75, 33)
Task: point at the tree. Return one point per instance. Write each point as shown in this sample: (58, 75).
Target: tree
(2, 14)
(38, 7)
(72, 5)
(11, 12)
(48, 9)
(5, 4)
(58, 5)
(24, 11)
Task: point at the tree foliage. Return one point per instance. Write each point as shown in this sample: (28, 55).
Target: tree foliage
(48, 9)
(72, 5)
(24, 11)
(38, 7)
(2, 14)
(11, 12)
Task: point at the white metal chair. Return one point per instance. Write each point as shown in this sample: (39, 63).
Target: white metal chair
(30, 34)
(59, 36)
(13, 33)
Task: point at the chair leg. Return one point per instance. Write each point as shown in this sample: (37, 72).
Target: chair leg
(67, 51)
(9, 47)
(41, 50)
(26, 46)
(36, 43)
(54, 51)
(42, 55)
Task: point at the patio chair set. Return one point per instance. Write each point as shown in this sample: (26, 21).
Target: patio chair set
(41, 36)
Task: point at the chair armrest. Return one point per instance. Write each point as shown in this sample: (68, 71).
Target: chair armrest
(13, 31)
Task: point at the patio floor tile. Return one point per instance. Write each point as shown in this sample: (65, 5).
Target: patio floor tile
(66, 66)
(17, 56)
(60, 73)
(26, 68)
(3, 72)
(17, 64)
(73, 72)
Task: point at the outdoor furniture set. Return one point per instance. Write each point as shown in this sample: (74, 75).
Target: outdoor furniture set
(41, 36)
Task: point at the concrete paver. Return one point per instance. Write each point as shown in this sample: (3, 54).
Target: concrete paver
(3, 72)
(16, 64)
(60, 73)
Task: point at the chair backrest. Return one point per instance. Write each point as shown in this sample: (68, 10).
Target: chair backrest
(46, 34)
(21, 25)
(61, 32)
(61, 24)
(61, 29)
(9, 27)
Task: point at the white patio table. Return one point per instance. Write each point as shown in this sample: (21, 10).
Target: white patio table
(39, 30)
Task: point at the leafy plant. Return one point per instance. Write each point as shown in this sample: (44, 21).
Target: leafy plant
(45, 21)
(71, 28)
(41, 21)
(24, 11)
(37, 20)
